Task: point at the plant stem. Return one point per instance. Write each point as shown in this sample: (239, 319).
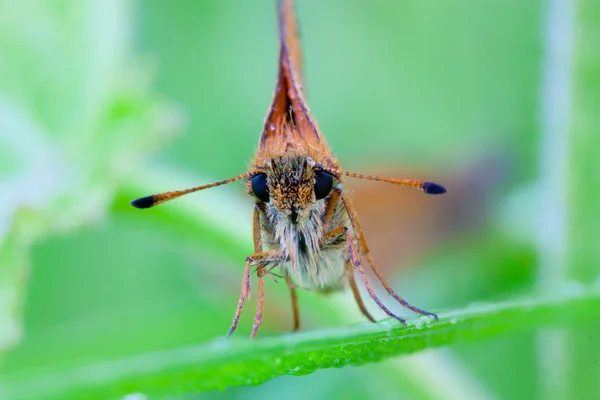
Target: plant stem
(556, 114)
(583, 255)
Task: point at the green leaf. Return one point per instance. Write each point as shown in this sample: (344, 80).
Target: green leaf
(238, 361)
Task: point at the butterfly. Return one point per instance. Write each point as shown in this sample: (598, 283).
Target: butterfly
(304, 226)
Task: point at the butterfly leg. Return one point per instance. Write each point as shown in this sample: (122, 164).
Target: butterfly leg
(356, 293)
(354, 258)
(259, 303)
(329, 211)
(365, 250)
(245, 292)
(256, 258)
(332, 204)
(294, 296)
(244, 295)
(259, 271)
(259, 257)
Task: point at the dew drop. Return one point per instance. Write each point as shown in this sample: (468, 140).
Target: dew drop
(388, 322)
(423, 321)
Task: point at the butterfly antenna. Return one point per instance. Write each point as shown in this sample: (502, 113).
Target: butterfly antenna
(424, 186)
(156, 199)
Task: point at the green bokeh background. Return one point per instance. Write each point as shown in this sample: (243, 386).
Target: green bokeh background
(101, 102)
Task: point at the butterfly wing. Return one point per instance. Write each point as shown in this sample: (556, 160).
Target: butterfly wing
(289, 122)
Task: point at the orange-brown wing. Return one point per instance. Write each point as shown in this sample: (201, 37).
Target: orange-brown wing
(289, 119)
(289, 35)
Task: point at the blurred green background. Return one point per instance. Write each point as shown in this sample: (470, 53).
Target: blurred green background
(105, 101)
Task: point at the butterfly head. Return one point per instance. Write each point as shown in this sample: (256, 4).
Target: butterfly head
(292, 187)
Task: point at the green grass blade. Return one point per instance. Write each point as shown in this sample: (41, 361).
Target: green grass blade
(582, 178)
(239, 361)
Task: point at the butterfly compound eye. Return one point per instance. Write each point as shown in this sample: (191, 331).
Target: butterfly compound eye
(259, 187)
(323, 184)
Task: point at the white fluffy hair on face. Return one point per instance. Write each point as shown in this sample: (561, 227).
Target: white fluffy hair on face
(313, 267)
